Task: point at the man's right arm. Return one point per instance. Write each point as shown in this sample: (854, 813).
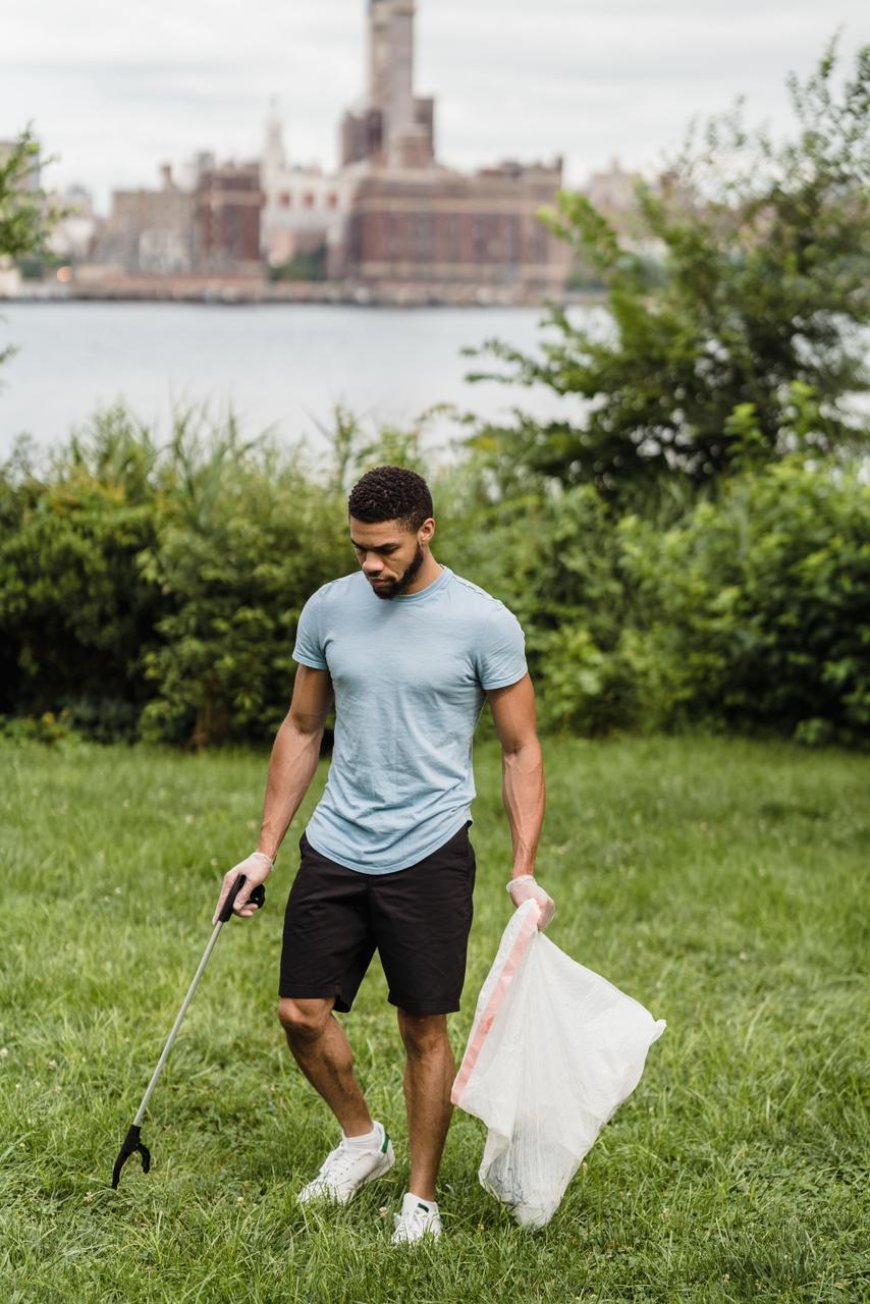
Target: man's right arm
(291, 768)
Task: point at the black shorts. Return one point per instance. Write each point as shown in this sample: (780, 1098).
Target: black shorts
(418, 919)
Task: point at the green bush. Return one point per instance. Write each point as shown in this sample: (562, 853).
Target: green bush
(746, 611)
(755, 612)
(75, 612)
(148, 591)
(553, 556)
(155, 592)
(237, 554)
(246, 534)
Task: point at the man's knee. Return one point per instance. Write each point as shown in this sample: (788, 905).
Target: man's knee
(304, 1020)
(423, 1034)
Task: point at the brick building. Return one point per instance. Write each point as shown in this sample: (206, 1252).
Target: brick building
(441, 227)
(150, 231)
(227, 205)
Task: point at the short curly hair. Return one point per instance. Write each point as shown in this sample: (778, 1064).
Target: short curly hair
(391, 493)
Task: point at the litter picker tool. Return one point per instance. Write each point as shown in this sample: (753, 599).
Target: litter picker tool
(132, 1143)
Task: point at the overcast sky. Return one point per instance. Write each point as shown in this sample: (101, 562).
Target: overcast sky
(114, 89)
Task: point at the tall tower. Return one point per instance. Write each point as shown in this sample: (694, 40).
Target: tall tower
(274, 158)
(407, 134)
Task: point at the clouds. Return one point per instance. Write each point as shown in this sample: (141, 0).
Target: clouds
(115, 90)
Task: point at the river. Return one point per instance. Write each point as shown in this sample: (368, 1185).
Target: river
(279, 366)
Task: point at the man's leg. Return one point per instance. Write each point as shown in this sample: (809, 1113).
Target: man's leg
(429, 1073)
(322, 1051)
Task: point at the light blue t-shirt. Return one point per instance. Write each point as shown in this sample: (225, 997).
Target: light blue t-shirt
(409, 675)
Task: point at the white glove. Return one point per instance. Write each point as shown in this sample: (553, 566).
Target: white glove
(256, 869)
(526, 888)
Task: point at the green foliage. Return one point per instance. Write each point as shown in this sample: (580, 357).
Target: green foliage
(74, 611)
(763, 255)
(750, 610)
(25, 216)
(309, 265)
(246, 534)
(155, 591)
(553, 557)
(755, 612)
(46, 729)
(243, 539)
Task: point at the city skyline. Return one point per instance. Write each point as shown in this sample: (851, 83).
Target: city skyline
(588, 80)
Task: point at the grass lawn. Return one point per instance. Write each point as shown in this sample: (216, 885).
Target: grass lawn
(722, 883)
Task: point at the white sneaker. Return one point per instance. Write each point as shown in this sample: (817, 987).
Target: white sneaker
(416, 1221)
(348, 1168)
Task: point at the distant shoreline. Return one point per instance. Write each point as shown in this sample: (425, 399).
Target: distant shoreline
(243, 292)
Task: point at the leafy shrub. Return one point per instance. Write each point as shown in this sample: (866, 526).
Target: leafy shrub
(46, 729)
(755, 612)
(749, 610)
(246, 534)
(584, 688)
(156, 592)
(75, 613)
(239, 549)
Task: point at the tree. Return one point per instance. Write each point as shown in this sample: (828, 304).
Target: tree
(26, 217)
(747, 320)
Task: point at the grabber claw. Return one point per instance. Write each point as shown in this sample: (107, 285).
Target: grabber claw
(130, 1146)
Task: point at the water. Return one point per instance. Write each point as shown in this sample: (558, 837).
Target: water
(279, 366)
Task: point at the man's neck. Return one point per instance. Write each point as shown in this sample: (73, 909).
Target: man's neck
(427, 574)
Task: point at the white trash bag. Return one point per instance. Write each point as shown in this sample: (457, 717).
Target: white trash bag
(553, 1052)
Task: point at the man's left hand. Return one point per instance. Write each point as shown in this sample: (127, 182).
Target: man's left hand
(526, 888)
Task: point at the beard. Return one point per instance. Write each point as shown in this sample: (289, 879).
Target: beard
(395, 588)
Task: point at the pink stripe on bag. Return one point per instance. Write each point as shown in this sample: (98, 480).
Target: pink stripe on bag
(505, 978)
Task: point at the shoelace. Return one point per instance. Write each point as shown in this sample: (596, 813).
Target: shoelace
(336, 1163)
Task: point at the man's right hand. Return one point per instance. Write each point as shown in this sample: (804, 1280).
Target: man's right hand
(256, 869)
(525, 888)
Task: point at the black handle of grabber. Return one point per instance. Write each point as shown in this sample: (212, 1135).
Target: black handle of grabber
(258, 896)
(130, 1146)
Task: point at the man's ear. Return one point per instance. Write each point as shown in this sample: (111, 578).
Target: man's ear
(426, 532)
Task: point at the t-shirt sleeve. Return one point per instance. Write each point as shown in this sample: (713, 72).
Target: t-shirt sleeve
(309, 649)
(502, 656)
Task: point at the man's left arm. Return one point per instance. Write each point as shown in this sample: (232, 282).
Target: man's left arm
(513, 712)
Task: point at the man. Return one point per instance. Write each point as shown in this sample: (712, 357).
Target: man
(409, 652)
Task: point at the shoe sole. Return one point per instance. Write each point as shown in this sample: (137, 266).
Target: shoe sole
(429, 1237)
